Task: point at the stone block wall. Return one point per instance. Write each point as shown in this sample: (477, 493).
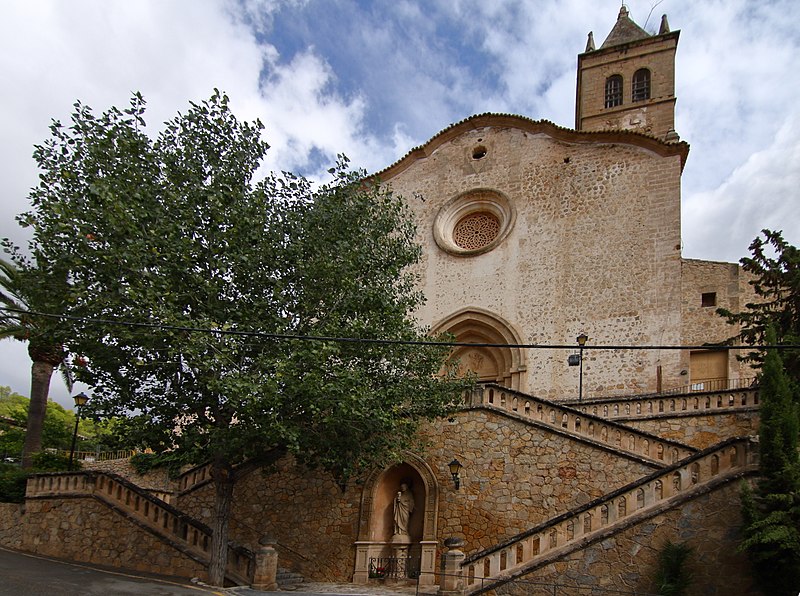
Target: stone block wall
(83, 529)
(728, 285)
(157, 480)
(515, 475)
(701, 431)
(11, 526)
(627, 561)
(313, 521)
(593, 246)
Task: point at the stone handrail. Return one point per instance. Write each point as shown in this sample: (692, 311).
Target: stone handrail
(513, 557)
(194, 477)
(687, 404)
(101, 455)
(185, 533)
(575, 422)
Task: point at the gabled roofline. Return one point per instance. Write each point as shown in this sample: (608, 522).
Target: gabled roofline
(560, 133)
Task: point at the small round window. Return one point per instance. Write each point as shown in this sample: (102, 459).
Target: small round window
(474, 222)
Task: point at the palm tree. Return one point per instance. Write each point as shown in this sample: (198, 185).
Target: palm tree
(45, 352)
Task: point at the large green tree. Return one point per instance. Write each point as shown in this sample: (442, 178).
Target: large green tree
(204, 288)
(772, 512)
(774, 271)
(25, 287)
(56, 429)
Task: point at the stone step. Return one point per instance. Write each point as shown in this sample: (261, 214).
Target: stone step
(287, 579)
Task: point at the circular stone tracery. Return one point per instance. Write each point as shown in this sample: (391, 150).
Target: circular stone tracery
(473, 222)
(476, 230)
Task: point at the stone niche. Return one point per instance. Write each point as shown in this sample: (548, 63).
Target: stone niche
(377, 539)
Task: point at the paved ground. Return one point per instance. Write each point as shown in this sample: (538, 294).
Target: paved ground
(22, 574)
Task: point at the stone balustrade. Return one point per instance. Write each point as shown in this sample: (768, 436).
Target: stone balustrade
(194, 477)
(188, 535)
(671, 405)
(579, 423)
(628, 504)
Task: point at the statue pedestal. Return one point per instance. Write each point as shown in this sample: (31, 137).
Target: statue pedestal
(400, 545)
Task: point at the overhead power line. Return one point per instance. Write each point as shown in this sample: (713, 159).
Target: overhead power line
(405, 342)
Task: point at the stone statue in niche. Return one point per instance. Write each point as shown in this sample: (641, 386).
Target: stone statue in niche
(403, 507)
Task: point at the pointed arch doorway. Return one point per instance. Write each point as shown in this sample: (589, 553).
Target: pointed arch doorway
(380, 547)
(504, 366)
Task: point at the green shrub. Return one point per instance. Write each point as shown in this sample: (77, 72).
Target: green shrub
(146, 462)
(672, 576)
(12, 483)
(47, 461)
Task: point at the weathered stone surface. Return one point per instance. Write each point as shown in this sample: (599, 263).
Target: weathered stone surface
(83, 529)
(628, 561)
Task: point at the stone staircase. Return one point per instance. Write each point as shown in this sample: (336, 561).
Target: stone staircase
(697, 474)
(288, 580)
(689, 403)
(580, 425)
(183, 533)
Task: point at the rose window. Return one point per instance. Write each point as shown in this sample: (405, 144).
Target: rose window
(476, 230)
(473, 222)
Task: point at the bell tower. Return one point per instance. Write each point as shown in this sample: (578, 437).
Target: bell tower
(629, 82)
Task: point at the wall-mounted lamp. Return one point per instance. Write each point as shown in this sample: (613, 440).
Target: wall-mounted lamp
(455, 467)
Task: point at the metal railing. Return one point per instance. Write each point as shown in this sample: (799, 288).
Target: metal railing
(394, 567)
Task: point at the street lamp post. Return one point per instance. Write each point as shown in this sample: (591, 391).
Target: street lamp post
(80, 401)
(581, 342)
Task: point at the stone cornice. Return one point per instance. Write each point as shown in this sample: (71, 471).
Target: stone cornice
(567, 135)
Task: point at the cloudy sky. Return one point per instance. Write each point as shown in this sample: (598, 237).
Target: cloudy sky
(372, 79)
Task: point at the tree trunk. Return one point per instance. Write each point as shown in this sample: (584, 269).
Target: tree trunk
(41, 372)
(224, 481)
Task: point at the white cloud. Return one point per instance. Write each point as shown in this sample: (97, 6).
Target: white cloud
(762, 193)
(396, 75)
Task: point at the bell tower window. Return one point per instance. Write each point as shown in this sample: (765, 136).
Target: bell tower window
(641, 85)
(614, 91)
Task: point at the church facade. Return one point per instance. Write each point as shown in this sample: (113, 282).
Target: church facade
(533, 236)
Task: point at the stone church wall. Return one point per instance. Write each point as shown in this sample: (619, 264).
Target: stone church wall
(594, 247)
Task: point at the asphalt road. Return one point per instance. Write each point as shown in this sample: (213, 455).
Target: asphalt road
(23, 574)
(30, 575)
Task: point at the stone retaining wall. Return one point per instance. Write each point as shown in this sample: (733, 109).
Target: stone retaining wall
(83, 529)
(515, 475)
(700, 431)
(627, 561)
(11, 528)
(154, 480)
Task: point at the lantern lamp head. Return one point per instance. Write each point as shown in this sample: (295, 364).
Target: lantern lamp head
(455, 468)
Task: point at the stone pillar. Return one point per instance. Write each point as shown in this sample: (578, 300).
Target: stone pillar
(266, 570)
(452, 582)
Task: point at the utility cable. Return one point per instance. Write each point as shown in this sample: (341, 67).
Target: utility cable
(404, 342)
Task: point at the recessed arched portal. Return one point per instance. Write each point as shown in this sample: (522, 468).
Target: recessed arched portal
(376, 537)
(490, 364)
